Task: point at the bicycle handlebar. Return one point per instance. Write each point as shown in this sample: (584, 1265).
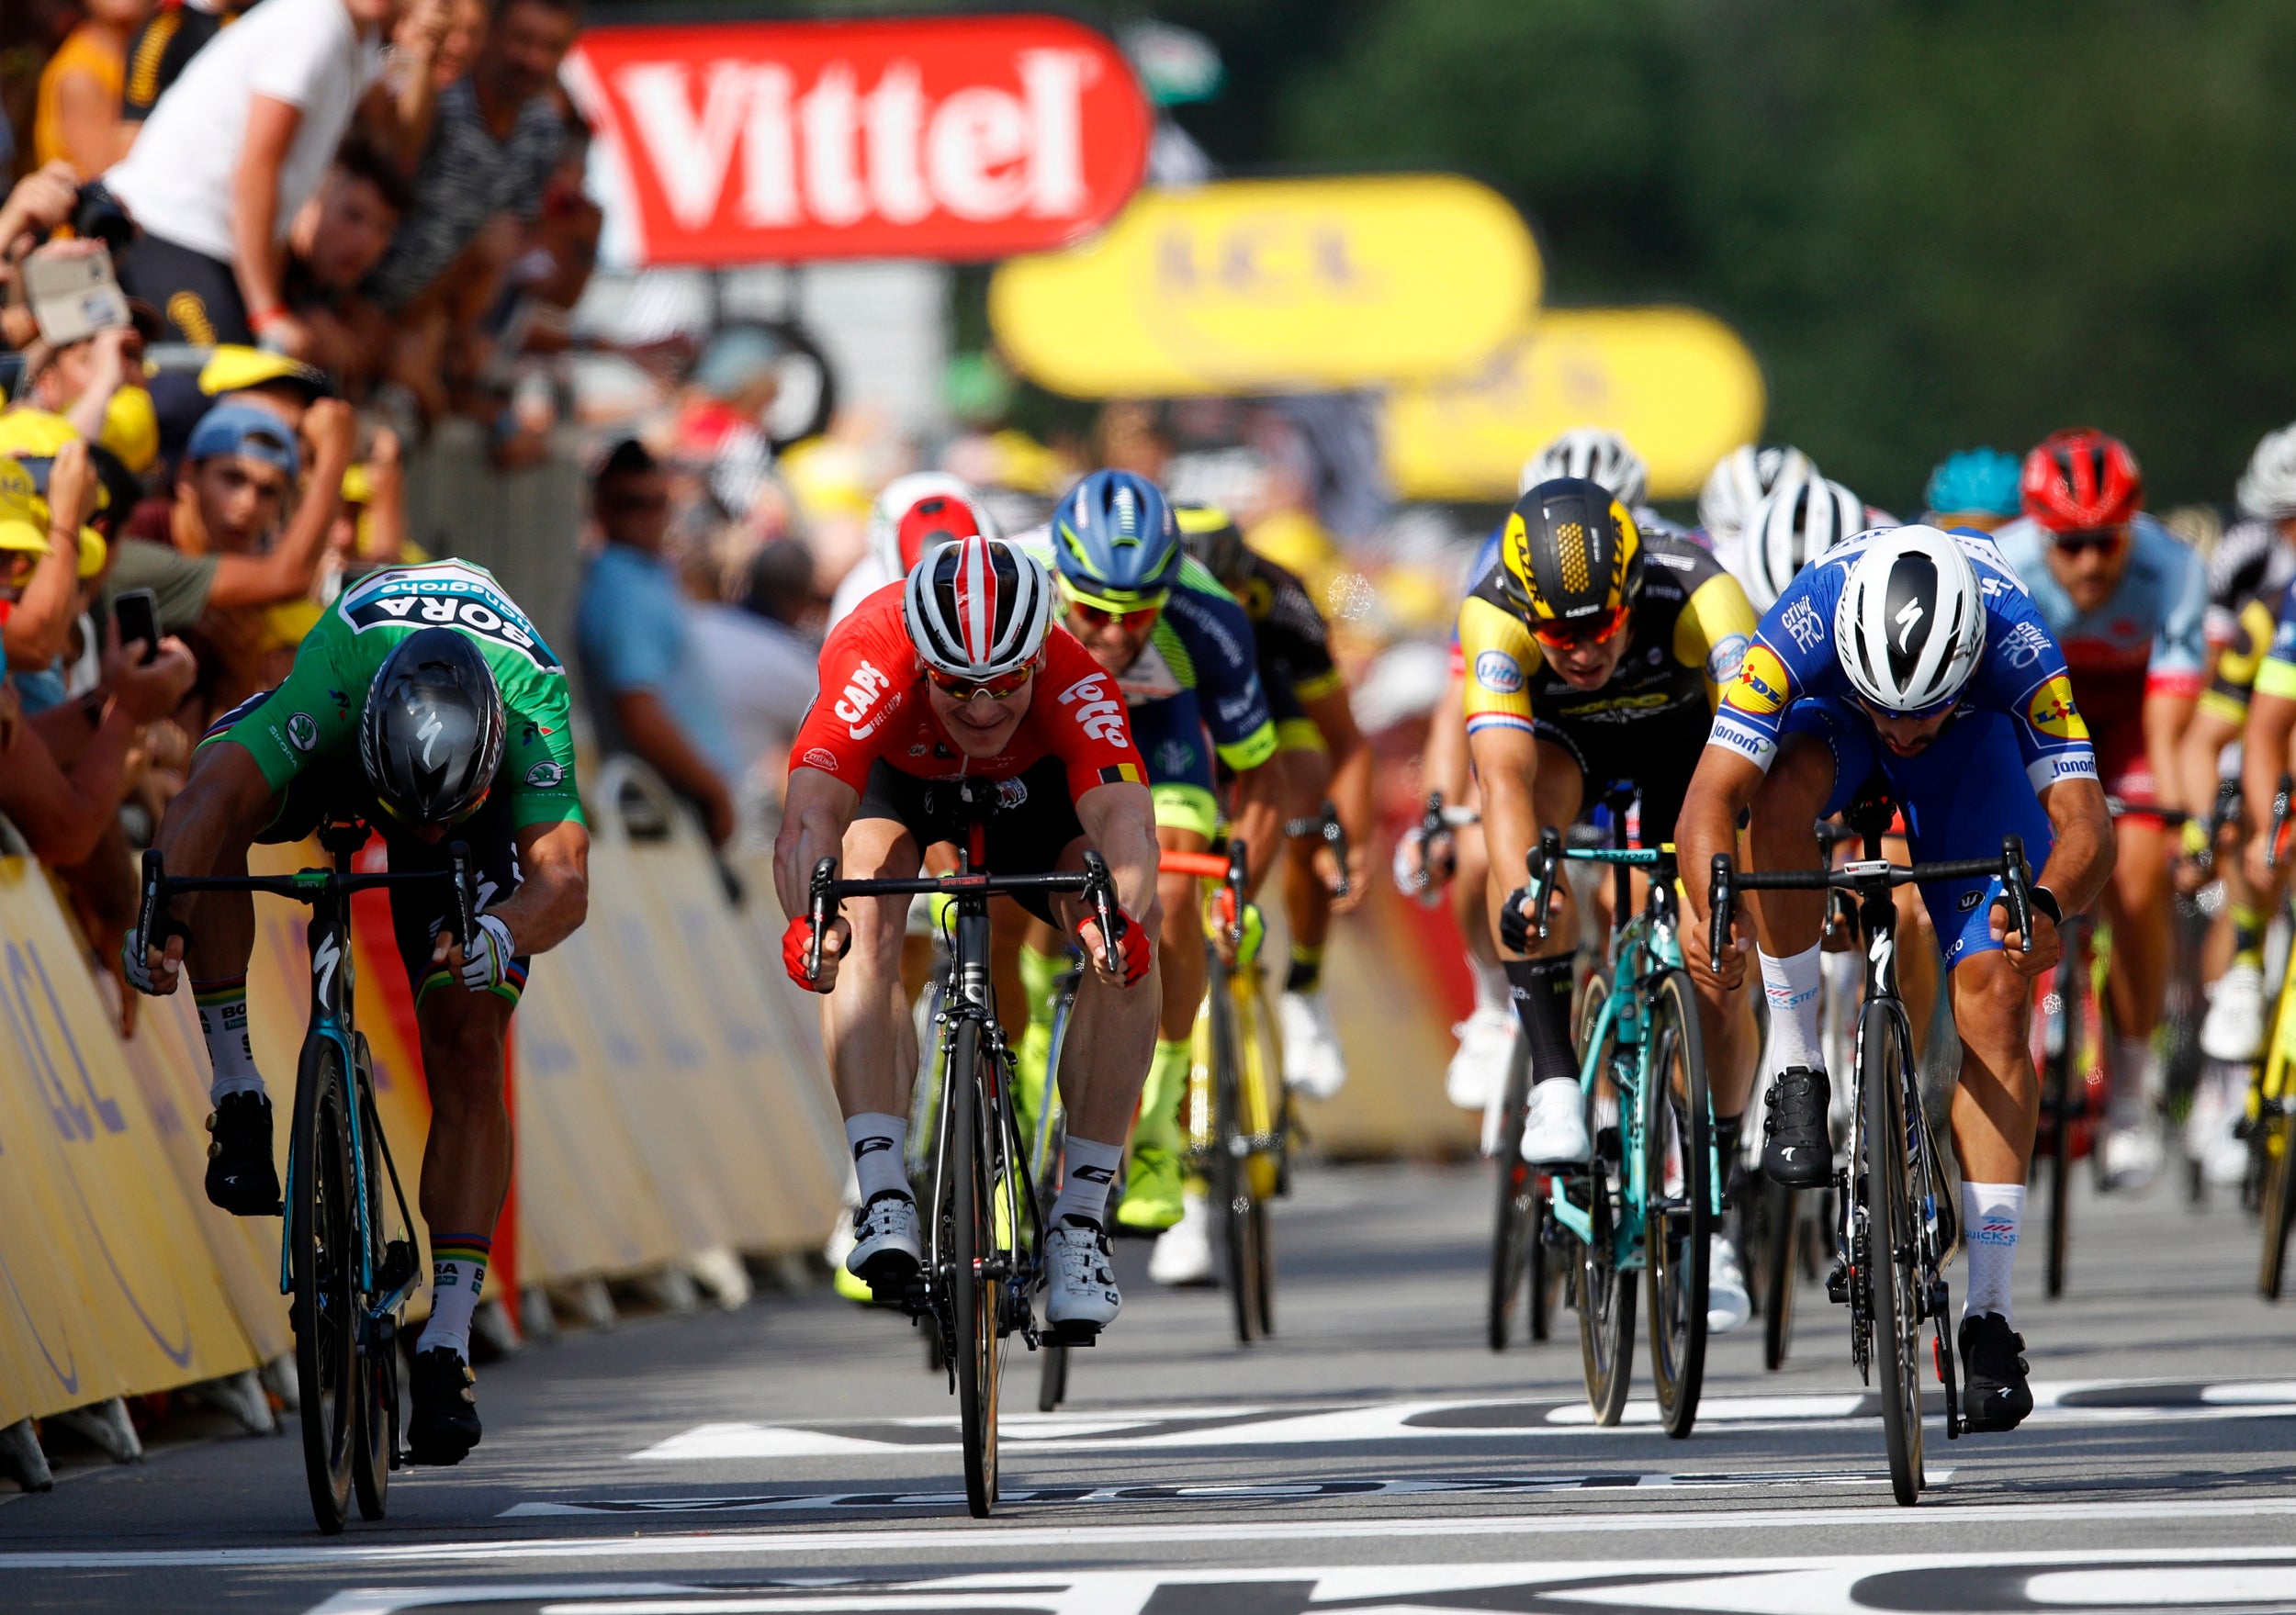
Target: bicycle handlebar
(827, 893)
(1861, 875)
(1231, 871)
(154, 926)
(1326, 828)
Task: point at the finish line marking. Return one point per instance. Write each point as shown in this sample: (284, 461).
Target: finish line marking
(1240, 1492)
(972, 1537)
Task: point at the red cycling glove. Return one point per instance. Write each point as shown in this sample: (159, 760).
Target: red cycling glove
(1131, 947)
(796, 945)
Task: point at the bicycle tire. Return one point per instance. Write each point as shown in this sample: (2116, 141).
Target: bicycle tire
(1780, 1218)
(1677, 1228)
(1543, 1266)
(378, 1358)
(979, 1337)
(2059, 1101)
(1517, 1183)
(322, 1258)
(1606, 1292)
(1885, 1058)
(2277, 1201)
(1231, 1180)
(1052, 1386)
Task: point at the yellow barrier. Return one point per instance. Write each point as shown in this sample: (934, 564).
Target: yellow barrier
(111, 1288)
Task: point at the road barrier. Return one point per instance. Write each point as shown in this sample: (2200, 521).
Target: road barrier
(669, 1113)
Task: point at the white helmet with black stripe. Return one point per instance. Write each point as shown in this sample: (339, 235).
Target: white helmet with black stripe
(1909, 627)
(1802, 517)
(979, 608)
(1739, 481)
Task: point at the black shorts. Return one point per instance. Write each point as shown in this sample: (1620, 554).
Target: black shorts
(198, 295)
(1027, 839)
(1605, 759)
(333, 790)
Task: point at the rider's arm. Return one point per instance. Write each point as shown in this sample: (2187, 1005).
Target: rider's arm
(218, 813)
(1351, 782)
(1501, 656)
(1443, 764)
(2263, 759)
(2081, 861)
(1719, 794)
(815, 814)
(1506, 762)
(2174, 678)
(286, 571)
(1120, 821)
(553, 895)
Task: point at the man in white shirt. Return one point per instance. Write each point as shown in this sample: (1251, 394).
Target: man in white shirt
(228, 156)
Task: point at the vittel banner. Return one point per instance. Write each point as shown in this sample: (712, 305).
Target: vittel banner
(962, 138)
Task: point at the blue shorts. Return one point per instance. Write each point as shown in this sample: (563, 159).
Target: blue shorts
(1960, 797)
(1170, 734)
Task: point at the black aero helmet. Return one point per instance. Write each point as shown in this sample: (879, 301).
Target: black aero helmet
(1570, 553)
(1210, 536)
(432, 735)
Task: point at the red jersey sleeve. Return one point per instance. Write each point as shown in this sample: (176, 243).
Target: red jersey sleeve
(1078, 716)
(869, 676)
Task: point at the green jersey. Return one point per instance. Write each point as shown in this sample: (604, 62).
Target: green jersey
(313, 716)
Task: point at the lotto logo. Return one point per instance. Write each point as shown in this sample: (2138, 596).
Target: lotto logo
(1096, 714)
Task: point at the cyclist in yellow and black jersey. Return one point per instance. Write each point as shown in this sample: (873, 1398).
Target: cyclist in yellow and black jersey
(1596, 655)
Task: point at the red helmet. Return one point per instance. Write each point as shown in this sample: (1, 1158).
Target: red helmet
(935, 519)
(2081, 479)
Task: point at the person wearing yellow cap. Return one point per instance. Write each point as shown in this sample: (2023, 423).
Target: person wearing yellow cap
(40, 558)
(80, 381)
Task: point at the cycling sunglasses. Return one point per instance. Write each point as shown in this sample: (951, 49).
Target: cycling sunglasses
(1576, 636)
(995, 688)
(2107, 539)
(1102, 610)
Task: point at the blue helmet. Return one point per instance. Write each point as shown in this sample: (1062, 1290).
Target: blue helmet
(1974, 479)
(1114, 537)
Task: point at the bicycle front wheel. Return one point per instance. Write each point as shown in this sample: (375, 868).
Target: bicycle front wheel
(323, 1265)
(1777, 1237)
(2277, 1199)
(1678, 1199)
(1605, 1290)
(2058, 1110)
(1515, 1225)
(1231, 1177)
(972, 1275)
(378, 1357)
(1892, 1242)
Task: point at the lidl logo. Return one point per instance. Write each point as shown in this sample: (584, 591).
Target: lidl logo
(2051, 711)
(1761, 682)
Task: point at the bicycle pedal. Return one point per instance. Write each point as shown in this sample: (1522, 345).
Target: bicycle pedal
(1607, 1144)
(1070, 1334)
(1838, 1285)
(398, 1266)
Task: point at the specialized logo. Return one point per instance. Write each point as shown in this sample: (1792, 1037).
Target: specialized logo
(326, 961)
(822, 757)
(545, 775)
(2051, 711)
(1727, 658)
(1498, 672)
(1096, 712)
(1908, 617)
(302, 732)
(1762, 682)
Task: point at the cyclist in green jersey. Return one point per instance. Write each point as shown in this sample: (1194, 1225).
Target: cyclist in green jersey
(425, 705)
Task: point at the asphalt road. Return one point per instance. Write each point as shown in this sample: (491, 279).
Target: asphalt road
(1375, 1456)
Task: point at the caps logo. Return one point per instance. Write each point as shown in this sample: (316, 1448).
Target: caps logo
(1762, 682)
(2051, 711)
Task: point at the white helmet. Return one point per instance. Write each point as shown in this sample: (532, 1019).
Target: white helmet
(1799, 518)
(1910, 625)
(902, 495)
(2268, 487)
(1738, 482)
(1595, 452)
(978, 607)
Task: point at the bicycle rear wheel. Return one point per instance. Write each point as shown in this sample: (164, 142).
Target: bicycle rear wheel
(1605, 1291)
(1516, 1225)
(1892, 1243)
(1678, 1200)
(2058, 1107)
(2277, 1200)
(977, 1284)
(1777, 1236)
(323, 1260)
(1230, 1178)
(377, 1356)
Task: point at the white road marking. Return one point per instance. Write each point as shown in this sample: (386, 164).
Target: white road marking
(2243, 1579)
(969, 1536)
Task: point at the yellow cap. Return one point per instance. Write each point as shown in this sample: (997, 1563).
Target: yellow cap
(131, 429)
(233, 367)
(34, 435)
(23, 520)
(358, 485)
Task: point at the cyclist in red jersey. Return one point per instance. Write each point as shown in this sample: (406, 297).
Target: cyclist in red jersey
(957, 673)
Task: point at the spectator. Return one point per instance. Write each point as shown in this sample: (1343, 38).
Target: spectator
(649, 686)
(491, 148)
(96, 383)
(761, 661)
(64, 773)
(339, 235)
(231, 153)
(163, 47)
(434, 45)
(236, 375)
(77, 119)
(39, 557)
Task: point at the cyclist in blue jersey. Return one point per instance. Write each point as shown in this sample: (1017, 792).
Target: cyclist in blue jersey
(1915, 655)
(1181, 650)
(2128, 603)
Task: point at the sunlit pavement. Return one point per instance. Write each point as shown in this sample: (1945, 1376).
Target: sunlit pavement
(1375, 1456)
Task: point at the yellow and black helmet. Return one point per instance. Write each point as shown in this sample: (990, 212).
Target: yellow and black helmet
(1571, 554)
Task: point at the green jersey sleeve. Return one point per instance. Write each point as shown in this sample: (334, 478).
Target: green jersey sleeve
(313, 715)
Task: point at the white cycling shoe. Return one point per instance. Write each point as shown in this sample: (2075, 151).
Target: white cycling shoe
(887, 1242)
(1486, 1043)
(1182, 1256)
(2132, 1158)
(1080, 1276)
(1555, 1132)
(1313, 1062)
(2234, 1030)
(1727, 1302)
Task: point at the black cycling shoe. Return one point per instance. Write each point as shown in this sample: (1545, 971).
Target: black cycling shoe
(445, 1423)
(1795, 1151)
(242, 1179)
(1994, 1396)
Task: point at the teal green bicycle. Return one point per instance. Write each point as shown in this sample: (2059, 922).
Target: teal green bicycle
(1651, 1197)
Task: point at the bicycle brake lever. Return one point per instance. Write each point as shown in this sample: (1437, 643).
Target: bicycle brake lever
(2280, 821)
(817, 914)
(1544, 863)
(2013, 894)
(1721, 898)
(1101, 887)
(465, 902)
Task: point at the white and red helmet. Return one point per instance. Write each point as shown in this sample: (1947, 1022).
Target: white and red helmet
(978, 607)
(901, 527)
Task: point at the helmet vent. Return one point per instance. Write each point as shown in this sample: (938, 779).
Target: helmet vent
(1571, 554)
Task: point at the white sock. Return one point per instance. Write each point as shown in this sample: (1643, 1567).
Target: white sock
(223, 1023)
(2135, 1080)
(1990, 1217)
(458, 1272)
(1084, 1185)
(879, 1143)
(1792, 985)
(1490, 988)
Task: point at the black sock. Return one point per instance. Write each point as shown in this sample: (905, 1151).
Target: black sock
(1306, 969)
(1726, 1131)
(1541, 991)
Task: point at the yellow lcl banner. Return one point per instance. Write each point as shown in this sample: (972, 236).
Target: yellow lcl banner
(1675, 383)
(1267, 285)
